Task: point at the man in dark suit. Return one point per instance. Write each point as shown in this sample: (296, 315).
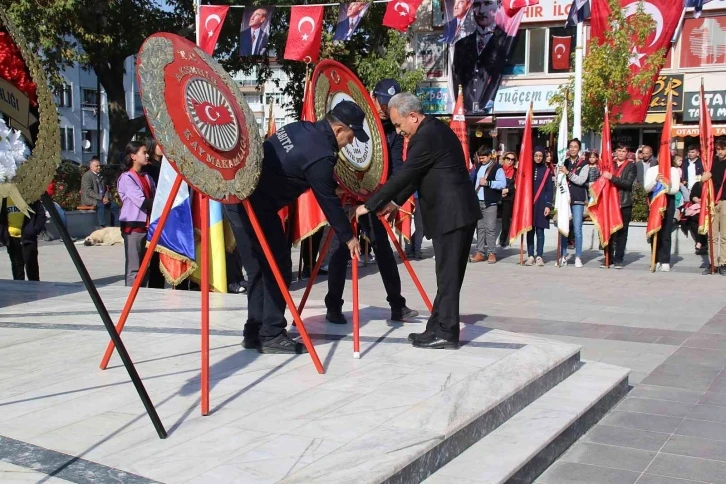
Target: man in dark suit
(354, 12)
(253, 40)
(479, 58)
(436, 168)
(454, 27)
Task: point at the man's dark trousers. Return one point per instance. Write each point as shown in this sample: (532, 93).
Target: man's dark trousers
(387, 266)
(452, 254)
(619, 239)
(265, 302)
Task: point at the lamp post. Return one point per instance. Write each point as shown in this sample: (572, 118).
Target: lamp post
(100, 24)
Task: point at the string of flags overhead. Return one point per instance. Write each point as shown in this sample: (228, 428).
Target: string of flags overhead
(306, 25)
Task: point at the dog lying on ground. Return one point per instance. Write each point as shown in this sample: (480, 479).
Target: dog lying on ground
(105, 236)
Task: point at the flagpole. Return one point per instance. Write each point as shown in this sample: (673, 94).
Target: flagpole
(652, 252)
(197, 5)
(577, 104)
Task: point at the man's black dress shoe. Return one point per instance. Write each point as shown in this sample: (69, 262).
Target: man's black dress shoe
(417, 336)
(436, 343)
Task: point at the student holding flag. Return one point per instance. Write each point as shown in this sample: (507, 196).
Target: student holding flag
(656, 184)
(577, 172)
(542, 185)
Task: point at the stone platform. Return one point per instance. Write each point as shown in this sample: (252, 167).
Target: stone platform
(397, 415)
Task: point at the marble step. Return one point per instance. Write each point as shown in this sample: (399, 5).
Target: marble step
(522, 448)
(419, 441)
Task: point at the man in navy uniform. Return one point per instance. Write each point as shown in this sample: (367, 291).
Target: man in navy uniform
(300, 156)
(436, 167)
(387, 265)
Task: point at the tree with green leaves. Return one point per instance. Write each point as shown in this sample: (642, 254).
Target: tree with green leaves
(102, 34)
(606, 74)
(99, 34)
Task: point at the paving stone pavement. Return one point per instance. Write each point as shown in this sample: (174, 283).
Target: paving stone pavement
(669, 328)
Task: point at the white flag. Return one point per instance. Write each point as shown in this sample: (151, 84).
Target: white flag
(562, 195)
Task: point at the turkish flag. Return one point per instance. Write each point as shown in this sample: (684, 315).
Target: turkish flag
(523, 209)
(707, 198)
(560, 54)
(658, 201)
(667, 17)
(211, 19)
(303, 38)
(400, 14)
(511, 7)
(605, 205)
(458, 126)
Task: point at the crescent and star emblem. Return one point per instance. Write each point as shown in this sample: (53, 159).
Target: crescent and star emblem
(404, 10)
(303, 21)
(654, 12)
(557, 47)
(214, 16)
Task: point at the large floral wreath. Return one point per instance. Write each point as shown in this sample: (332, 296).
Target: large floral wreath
(13, 149)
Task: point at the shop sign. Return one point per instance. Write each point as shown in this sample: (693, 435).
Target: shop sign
(664, 85)
(547, 11)
(715, 100)
(517, 99)
(434, 99)
(431, 55)
(694, 131)
(520, 121)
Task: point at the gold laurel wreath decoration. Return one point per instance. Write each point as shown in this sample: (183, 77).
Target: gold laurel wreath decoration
(36, 173)
(158, 52)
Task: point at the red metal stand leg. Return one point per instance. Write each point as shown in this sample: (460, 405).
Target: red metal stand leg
(414, 277)
(204, 220)
(316, 269)
(142, 269)
(281, 284)
(356, 306)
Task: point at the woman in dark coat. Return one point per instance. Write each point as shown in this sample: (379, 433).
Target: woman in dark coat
(508, 162)
(542, 194)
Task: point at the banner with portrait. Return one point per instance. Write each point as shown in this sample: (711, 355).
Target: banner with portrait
(456, 20)
(477, 61)
(349, 17)
(255, 31)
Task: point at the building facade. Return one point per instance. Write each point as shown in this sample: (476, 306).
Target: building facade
(259, 97)
(535, 73)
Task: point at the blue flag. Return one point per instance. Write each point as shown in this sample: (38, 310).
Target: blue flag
(579, 12)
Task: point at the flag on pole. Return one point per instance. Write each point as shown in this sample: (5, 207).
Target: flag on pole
(176, 243)
(304, 35)
(400, 14)
(458, 126)
(657, 198)
(604, 204)
(562, 197)
(522, 212)
(211, 19)
(217, 256)
(707, 196)
(579, 12)
(309, 217)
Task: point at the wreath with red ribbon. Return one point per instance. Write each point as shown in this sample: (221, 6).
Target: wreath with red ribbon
(13, 68)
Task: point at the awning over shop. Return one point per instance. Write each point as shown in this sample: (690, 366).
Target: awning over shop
(518, 122)
(693, 130)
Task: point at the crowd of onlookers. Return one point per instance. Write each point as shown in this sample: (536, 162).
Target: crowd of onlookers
(493, 176)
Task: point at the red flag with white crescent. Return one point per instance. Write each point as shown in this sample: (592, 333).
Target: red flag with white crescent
(666, 16)
(211, 19)
(658, 201)
(400, 14)
(303, 38)
(560, 54)
(511, 7)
